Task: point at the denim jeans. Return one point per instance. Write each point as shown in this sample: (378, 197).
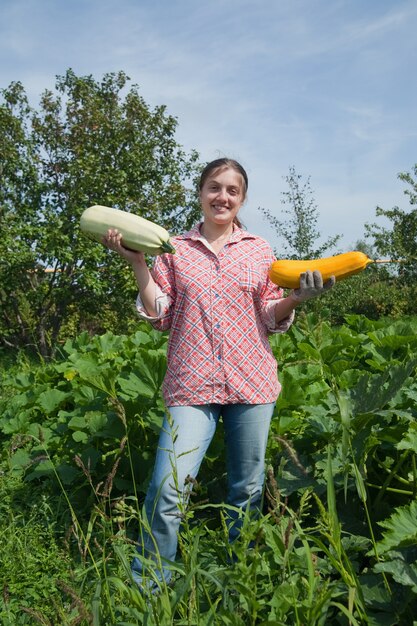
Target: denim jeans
(184, 439)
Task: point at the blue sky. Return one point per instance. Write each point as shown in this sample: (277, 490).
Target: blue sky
(326, 86)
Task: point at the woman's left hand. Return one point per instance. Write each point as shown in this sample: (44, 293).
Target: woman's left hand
(311, 286)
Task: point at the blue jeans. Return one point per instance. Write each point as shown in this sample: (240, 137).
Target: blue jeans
(184, 439)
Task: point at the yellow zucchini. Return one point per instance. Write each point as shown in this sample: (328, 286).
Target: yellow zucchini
(137, 232)
(286, 273)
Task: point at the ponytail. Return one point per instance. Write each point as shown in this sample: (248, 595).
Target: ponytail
(237, 222)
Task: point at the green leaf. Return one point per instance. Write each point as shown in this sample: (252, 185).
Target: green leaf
(409, 441)
(400, 529)
(140, 338)
(97, 421)
(311, 352)
(402, 572)
(373, 392)
(80, 436)
(360, 483)
(43, 468)
(374, 591)
(77, 422)
(51, 400)
(20, 459)
(98, 375)
(334, 524)
(339, 366)
(133, 386)
(67, 473)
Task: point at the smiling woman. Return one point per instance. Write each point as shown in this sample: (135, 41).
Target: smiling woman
(220, 306)
(224, 181)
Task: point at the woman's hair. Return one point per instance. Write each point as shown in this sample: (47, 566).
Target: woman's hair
(220, 163)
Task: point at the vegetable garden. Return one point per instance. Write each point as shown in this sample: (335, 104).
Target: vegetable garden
(337, 539)
(336, 543)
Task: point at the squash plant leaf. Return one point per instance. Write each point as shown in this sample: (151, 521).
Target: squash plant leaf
(98, 375)
(401, 570)
(400, 529)
(409, 442)
(373, 392)
(133, 386)
(51, 399)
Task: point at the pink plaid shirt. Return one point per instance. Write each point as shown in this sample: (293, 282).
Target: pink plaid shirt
(219, 310)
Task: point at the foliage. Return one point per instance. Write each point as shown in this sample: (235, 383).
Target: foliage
(373, 293)
(34, 565)
(380, 291)
(399, 242)
(72, 417)
(352, 393)
(88, 142)
(299, 231)
(335, 544)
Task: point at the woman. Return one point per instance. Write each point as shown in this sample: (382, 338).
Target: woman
(215, 297)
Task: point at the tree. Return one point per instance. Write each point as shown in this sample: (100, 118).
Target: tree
(383, 290)
(399, 242)
(299, 231)
(88, 143)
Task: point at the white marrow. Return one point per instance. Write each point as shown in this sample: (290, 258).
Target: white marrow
(137, 232)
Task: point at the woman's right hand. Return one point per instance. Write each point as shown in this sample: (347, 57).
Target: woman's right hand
(113, 241)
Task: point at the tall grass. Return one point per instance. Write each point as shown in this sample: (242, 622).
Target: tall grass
(271, 575)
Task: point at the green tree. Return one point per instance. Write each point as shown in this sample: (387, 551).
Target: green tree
(299, 229)
(88, 142)
(399, 241)
(383, 290)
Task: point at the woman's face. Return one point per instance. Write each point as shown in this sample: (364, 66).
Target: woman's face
(222, 196)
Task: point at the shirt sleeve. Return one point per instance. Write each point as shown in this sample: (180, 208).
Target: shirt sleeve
(270, 295)
(163, 275)
(269, 318)
(162, 303)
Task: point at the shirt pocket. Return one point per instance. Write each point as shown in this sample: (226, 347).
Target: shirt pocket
(250, 279)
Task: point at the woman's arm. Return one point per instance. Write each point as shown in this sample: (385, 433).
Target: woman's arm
(284, 308)
(311, 286)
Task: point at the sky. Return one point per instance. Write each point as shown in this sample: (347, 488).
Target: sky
(327, 87)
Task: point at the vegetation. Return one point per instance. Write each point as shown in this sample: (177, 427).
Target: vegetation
(298, 229)
(94, 142)
(399, 242)
(88, 143)
(382, 290)
(81, 407)
(336, 543)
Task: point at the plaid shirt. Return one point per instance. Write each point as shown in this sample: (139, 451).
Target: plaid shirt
(219, 310)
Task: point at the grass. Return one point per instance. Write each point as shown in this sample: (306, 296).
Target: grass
(61, 570)
(35, 565)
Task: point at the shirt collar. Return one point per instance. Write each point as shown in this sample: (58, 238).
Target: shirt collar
(237, 235)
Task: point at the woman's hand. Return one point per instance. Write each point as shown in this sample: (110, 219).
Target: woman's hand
(113, 241)
(311, 286)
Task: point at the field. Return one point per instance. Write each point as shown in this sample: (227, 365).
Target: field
(336, 543)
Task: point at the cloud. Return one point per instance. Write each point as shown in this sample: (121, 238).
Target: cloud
(323, 86)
